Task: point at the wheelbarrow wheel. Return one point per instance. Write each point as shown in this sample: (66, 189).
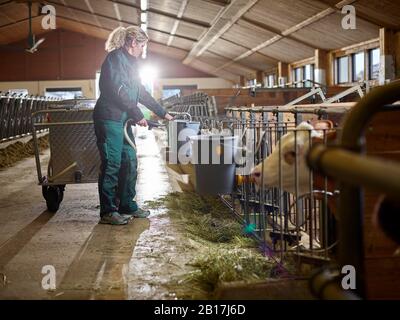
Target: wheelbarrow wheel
(53, 196)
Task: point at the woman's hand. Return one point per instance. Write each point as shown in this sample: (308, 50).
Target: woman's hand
(142, 123)
(169, 117)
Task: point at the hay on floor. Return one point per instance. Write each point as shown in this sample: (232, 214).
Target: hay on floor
(19, 150)
(226, 254)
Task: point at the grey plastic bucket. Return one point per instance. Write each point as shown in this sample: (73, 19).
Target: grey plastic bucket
(214, 160)
(179, 132)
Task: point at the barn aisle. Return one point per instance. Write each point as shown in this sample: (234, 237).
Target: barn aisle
(91, 261)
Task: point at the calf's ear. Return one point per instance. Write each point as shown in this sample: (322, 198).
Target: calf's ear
(322, 124)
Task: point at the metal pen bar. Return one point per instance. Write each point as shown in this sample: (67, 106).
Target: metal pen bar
(357, 88)
(386, 179)
(376, 174)
(54, 124)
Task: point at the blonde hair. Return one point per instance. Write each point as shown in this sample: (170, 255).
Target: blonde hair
(124, 36)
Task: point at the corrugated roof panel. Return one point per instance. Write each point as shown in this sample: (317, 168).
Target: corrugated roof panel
(213, 59)
(170, 6)
(202, 11)
(158, 36)
(81, 28)
(103, 7)
(247, 35)
(76, 4)
(258, 61)
(226, 49)
(76, 15)
(189, 30)
(387, 11)
(160, 22)
(182, 43)
(127, 13)
(328, 33)
(235, 68)
(205, 67)
(284, 14)
(287, 50)
(167, 51)
(13, 12)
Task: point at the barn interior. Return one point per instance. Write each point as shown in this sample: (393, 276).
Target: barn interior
(277, 178)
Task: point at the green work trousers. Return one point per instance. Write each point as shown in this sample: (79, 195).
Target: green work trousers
(118, 172)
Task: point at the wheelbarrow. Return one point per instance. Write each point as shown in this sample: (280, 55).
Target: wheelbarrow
(74, 157)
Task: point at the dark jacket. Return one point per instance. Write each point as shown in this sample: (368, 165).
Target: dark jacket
(121, 89)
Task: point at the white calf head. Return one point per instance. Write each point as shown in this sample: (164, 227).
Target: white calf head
(294, 147)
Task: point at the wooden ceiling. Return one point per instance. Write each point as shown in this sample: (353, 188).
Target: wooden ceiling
(227, 38)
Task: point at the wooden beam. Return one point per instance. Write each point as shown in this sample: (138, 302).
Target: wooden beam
(397, 53)
(164, 14)
(365, 45)
(303, 62)
(132, 6)
(64, 4)
(176, 23)
(260, 77)
(322, 66)
(388, 55)
(242, 81)
(109, 29)
(283, 72)
(276, 31)
(293, 29)
(117, 13)
(221, 3)
(226, 18)
(89, 6)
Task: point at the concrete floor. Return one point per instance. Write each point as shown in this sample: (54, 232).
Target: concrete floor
(91, 261)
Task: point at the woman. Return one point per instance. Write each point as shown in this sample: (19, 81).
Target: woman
(120, 92)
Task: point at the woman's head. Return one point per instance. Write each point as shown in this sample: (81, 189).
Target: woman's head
(132, 38)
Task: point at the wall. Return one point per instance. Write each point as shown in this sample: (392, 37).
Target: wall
(39, 87)
(88, 86)
(66, 55)
(201, 83)
(70, 59)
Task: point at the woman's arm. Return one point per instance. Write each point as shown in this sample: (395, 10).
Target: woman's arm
(149, 102)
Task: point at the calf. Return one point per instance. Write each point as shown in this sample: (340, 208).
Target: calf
(294, 148)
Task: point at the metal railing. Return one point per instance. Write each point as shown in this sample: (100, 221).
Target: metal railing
(285, 217)
(197, 105)
(15, 114)
(354, 170)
